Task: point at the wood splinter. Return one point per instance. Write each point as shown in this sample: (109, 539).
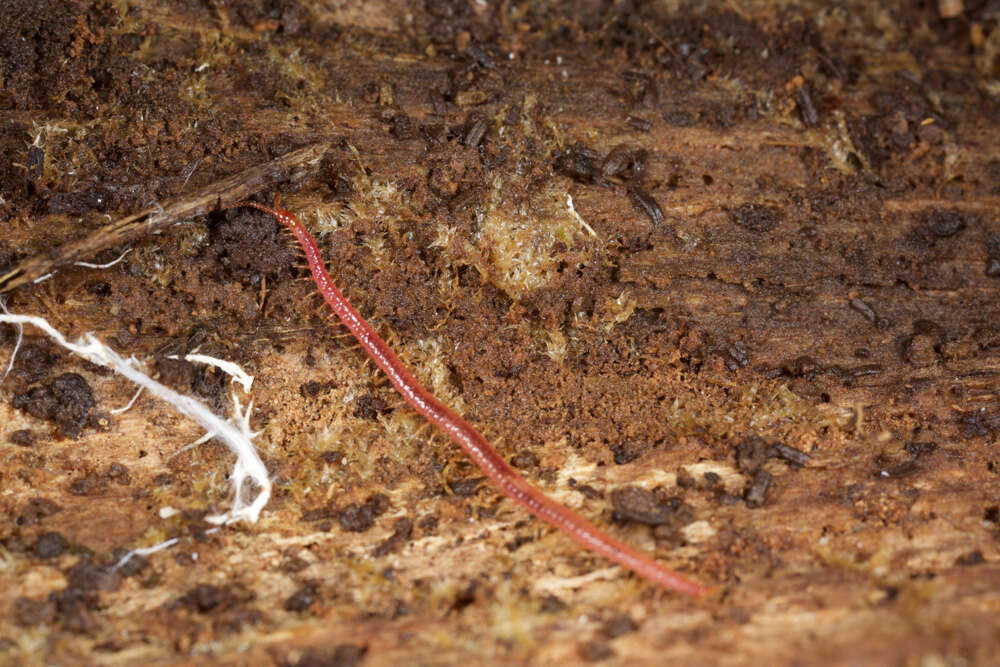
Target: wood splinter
(463, 434)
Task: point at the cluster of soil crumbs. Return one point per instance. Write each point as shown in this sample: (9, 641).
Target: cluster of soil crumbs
(721, 277)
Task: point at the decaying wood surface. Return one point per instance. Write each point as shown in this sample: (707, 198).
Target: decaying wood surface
(154, 219)
(722, 278)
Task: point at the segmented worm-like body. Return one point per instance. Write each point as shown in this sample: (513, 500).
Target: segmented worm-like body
(467, 437)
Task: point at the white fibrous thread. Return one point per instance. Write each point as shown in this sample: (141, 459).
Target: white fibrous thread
(128, 406)
(228, 367)
(236, 436)
(17, 344)
(103, 266)
(166, 544)
(577, 216)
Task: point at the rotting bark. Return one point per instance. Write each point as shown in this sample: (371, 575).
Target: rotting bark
(796, 245)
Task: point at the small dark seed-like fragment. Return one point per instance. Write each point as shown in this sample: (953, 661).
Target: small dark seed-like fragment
(943, 224)
(790, 454)
(756, 493)
(866, 311)
(647, 204)
(640, 124)
(616, 161)
(466, 488)
(624, 163)
(928, 327)
(524, 460)
(806, 107)
(477, 130)
(640, 505)
(578, 163)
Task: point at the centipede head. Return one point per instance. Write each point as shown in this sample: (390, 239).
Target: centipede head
(246, 203)
(286, 218)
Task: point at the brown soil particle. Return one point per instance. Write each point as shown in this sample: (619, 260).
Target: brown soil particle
(618, 625)
(86, 485)
(32, 363)
(943, 224)
(28, 612)
(23, 437)
(303, 598)
(206, 598)
(35, 510)
(595, 651)
(50, 545)
(359, 517)
(65, 399)
(401, 532)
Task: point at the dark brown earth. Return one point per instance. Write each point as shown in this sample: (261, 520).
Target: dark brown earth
(760, 341)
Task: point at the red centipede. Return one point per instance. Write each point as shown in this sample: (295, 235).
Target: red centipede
(463, 434)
